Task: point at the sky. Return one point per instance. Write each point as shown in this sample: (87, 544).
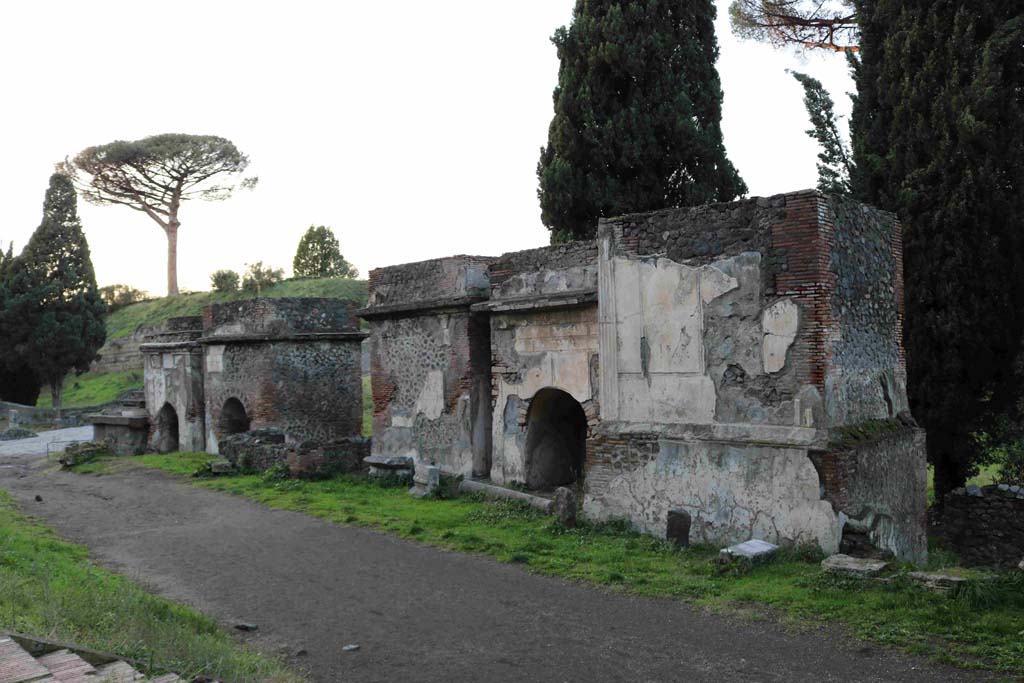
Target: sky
(411, 128)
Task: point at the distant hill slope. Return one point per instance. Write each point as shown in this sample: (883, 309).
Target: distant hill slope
(124, 321)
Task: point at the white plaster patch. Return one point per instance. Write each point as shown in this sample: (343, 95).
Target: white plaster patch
(215, 358)
(430, 402)
(779, 322)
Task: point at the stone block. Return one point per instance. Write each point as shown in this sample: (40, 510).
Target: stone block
(859, 567)
(678, 528)
(565, 506)
(936, 581)
(754, 550)
(426, 479)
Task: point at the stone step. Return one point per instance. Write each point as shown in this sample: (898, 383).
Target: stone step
(118, 672)
(166, 678)
(18, 666)
(67, 667)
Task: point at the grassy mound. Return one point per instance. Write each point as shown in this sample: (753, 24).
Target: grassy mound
(124, 321)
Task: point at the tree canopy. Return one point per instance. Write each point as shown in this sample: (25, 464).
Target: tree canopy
(155, 175)
(638, 108)
(834, 159)
(805, 24)
(938, 137)
(319, 255)
(51, 312)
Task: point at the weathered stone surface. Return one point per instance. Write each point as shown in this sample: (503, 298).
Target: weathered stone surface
(221, 466)
(985, 528)
(937, 580)
(389, 462)
(546, 505)
(779, 322)
(853, 566)
(565, 506)
(754, 550)
(322, 459)
(426, 479)
(678, 528)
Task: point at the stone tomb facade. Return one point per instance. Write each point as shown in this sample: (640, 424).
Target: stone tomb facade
(293, 365)
(740, 362)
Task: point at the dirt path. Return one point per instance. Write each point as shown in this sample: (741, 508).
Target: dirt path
(417, 613)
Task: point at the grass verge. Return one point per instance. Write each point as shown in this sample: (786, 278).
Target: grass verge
(49, 588)
(983, 627)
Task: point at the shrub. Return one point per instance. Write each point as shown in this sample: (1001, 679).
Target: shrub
(224, 281)
(119, 296)
(258, 277)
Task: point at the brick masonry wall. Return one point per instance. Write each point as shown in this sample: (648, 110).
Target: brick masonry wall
(556, 257)
(983, 525)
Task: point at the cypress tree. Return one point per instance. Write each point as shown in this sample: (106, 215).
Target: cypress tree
(938, 137)
(17, 381)
(53, 313)
(638, 108)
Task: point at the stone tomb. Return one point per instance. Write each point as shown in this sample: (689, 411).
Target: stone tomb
(173, 372)
(711, 360)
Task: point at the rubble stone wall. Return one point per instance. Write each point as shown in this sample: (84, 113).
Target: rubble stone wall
(984, 525)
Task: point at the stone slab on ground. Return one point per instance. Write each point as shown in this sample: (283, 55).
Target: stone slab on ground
(494, 491)
(860, 567)
(754, 550)
(936, 581)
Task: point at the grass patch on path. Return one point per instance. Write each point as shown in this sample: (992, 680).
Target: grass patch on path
(983, 628)
(50, 589)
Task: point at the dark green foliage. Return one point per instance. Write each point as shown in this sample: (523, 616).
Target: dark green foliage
(319, 255)
(834, 158)
(638, 110)
(51, 313)
(224, 281)
(938, 137)
(18, 383)
(119, 296)
(258, 277)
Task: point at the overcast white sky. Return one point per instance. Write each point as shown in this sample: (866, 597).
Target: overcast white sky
(411, 128)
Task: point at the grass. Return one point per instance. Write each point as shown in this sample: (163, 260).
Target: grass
(987, 475)
(50, 589)
(93, 388)
(973, 631)
(123, 322)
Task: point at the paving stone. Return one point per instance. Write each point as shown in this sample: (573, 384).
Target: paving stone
(17, 665)
(67, 667)
(860, 567)
(754, 550)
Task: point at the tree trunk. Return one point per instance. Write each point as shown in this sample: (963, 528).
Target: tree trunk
(57, 393)
(172, 258)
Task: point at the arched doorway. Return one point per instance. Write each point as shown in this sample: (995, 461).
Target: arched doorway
(165, 432)
(556, 440)
(233, 419)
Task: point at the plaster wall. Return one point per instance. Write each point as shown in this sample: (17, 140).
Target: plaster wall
(174, 374)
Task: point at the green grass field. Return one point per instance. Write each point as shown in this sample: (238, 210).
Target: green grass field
(50, 589)
(982, 627)
(124, 321)
(93, 389)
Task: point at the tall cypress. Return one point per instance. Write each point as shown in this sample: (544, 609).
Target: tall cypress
(53, 314)
(938, 137)
(638, 110)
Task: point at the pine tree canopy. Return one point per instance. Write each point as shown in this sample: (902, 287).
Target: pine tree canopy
(51, 312)
(319, 255)
(638, 107)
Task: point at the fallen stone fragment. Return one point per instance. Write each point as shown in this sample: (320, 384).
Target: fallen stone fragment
(936, 581)
(1021, 566)
(754, 550)
(565, 506)
(860, 567)
(425, 480)
(350, 648)
(246, 627)
(221, 466)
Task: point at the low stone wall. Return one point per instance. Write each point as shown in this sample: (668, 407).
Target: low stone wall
(259, 450)
(984, 526)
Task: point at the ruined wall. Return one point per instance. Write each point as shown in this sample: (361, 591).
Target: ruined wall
(173, 375)
(723, 327)
(430, 358)
(984, 525)
(293, 364)
(876, 480)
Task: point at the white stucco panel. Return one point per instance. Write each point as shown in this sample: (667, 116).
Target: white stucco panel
(430, 402)
(779, 322)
